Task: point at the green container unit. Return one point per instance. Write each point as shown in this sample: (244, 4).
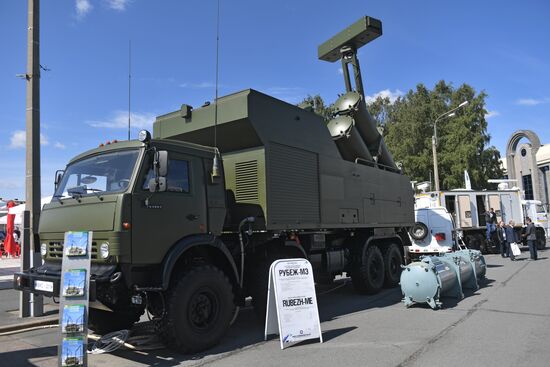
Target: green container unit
(283, 158)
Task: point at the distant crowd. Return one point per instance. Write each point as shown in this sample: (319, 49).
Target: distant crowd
(508, 238)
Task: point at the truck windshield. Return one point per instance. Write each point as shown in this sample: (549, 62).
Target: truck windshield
(105, 173)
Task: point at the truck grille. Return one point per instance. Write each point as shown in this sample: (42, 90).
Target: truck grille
(55, 250)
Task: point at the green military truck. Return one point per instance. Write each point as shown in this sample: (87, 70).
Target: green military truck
(186, 223)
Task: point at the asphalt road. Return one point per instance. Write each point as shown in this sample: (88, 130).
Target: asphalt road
(504, 323)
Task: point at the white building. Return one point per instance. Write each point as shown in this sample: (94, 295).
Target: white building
(528, 162)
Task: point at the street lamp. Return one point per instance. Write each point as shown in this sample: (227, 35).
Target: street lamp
(450, 113)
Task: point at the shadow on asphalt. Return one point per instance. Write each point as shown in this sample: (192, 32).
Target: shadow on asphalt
(494, 266)
(21, 358)
(336, 300)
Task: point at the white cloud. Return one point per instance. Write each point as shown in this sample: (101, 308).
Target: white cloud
(119, 5)
(532, 101)
(340, 71)
(386, 93)
(18, 139)
(198, 85)
(83, 7)
(490, 114)
(59, 145)
(119, 120)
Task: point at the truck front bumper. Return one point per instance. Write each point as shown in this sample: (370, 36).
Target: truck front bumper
(45, 285)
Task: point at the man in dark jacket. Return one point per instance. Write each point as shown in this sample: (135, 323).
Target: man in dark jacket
(501, 236)
(490, 222)
(511, 237)
(531, 235)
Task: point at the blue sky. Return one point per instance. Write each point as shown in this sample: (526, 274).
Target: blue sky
(500, 47)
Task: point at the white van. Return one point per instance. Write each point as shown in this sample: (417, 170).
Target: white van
(432, 233)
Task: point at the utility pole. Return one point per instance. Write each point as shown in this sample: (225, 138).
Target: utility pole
(31, 245)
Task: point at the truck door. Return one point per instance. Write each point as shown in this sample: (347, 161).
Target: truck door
(160, 219)
(506, 208)
(464, 211)
(494, 202)
(481, 209)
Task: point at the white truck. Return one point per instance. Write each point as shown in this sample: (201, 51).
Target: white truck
(433, 232)
(467, 208)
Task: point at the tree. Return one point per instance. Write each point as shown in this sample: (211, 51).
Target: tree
(407, 125)
(462, 139)
(317, 104)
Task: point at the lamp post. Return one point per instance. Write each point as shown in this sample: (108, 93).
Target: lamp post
(449, 113)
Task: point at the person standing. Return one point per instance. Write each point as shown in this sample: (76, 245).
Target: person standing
(501, 236)
(531, 235)
(490, 221)
(511, 237)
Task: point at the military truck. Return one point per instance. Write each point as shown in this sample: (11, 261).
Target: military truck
(186, 223)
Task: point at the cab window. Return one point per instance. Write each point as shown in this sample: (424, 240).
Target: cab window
(177, 179)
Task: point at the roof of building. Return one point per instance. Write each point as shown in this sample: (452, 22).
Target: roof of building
(543, 154)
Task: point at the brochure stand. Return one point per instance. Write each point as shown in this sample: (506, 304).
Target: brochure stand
(73, 299)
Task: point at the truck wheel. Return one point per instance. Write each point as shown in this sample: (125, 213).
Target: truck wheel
(198, 311)
(103, 322)
(418, 231)
(392, 264)
(484, 245)
(258, 287)
(368, 273)
(541, 239)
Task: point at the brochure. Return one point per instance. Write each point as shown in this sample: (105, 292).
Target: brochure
(72, 352)
(73, 282)
(76, 243)
(73, 319)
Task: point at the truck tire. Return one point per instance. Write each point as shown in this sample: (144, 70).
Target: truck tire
(368, 272)
(392, 265)
(541, 239)
(199, 308)
(418, 231)
(103, 322)
(259, 277)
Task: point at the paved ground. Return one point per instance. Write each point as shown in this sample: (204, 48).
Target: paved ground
(9, 298)
(505, 323)
(7, 268)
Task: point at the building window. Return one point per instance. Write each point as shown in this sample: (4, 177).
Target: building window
(528, 187)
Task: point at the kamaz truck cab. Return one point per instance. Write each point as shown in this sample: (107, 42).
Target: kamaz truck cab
(108, 190)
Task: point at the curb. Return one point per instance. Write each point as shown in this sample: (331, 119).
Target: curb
(42, 321)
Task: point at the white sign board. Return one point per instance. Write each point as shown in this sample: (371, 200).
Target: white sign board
(291, 302)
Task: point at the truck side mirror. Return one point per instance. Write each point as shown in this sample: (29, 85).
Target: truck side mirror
(157, 184)
(58, 176)
(161, 162)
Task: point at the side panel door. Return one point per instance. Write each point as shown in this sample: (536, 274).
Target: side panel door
(506, 208)
(464, 211)
(494, 202)
(160, 219)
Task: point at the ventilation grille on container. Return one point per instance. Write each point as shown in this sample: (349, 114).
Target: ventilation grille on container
(246, 177)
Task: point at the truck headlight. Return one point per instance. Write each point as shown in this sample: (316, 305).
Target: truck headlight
(104, 250)
(43, 249)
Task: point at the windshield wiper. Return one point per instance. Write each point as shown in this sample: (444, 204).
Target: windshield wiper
(96, 192)
(78, 191)
(58, 197)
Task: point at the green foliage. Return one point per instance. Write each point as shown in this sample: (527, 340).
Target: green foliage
(408, 126)
(462, 139)
(317, 105)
